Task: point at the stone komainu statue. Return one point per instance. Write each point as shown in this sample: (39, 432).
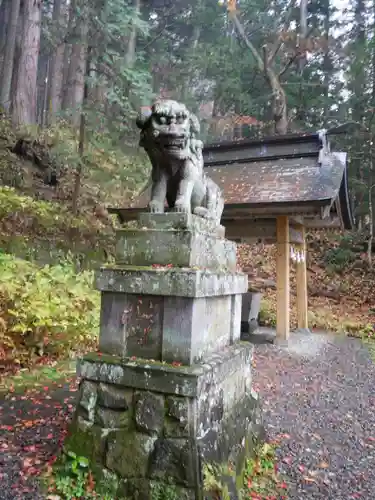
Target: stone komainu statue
(169, 136)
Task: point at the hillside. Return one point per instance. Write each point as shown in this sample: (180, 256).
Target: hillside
(38, 228)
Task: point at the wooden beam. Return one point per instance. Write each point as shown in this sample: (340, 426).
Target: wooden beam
(283, 278)
(301, 279)
(250, 231)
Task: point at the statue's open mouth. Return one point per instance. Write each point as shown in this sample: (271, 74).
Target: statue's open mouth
(174, 144)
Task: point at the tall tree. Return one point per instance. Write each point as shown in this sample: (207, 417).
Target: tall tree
(24, 105)
(7, 71)
(55, 74)
(5, 8)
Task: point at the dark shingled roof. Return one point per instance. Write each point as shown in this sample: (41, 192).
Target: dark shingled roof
(293, 175)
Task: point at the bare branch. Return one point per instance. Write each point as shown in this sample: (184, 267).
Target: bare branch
(278, 43)
(288, 64)
(265, 58)
(249, 45)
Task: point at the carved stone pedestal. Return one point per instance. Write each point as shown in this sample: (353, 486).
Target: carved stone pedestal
(170, 390)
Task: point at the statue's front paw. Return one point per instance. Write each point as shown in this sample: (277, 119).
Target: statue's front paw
(156, 207)
(202, 212)
(182, 208)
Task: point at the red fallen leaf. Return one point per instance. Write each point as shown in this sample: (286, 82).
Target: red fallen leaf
(301, 468)
(45, 388)
(27, 462)
(30, 448)
(50, 436)
(283, 485)
(7, 427)
(288, 460)
(52, 460)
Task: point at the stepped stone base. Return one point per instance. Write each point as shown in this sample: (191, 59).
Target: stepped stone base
(170, 393)
(149, 429)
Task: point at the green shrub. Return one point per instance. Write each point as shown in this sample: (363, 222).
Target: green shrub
(45, 309)
(37, 215)
(339, 258)
(267, 316)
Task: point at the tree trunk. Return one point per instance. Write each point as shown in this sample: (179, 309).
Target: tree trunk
(67, 51)
(359, 91)
(303, 35)
(130, 53)
(41, 85)
(5, 8)
(370, 210)
(81, 140)
(56, 68)
(371, 169)
(6, 79)
(24, 110)
(326, 62)
(76, 74)
(17, 57)
(301, 48)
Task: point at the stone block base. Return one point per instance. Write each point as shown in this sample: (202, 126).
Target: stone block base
(179, 240)
(180, 329)
(151, 428)
(177, 248)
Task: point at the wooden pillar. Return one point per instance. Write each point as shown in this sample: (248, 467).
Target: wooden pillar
(301, 279)
(283, 277)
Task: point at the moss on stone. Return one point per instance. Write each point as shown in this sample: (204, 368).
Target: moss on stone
(96, 357)
(88, 442)
(128, 453)
(107, 483)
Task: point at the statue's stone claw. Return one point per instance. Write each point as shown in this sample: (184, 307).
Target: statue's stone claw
(182, 209)
(156, 208)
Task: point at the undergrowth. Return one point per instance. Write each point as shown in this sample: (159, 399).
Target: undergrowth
(260, 479)
(38, 215)
(71, 478)
(111, 173)
(44, 310)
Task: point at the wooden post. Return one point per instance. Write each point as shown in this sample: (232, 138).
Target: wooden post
(301, 279)
(283, 280)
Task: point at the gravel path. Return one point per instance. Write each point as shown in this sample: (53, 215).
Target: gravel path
(319, 403)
